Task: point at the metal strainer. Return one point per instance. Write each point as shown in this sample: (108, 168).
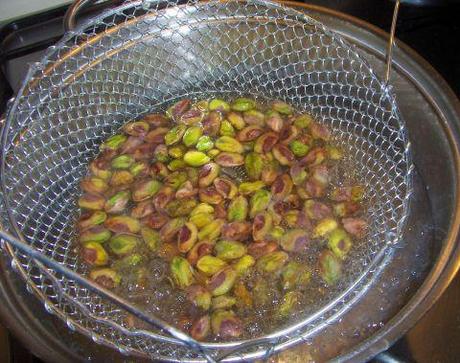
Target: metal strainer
(143, 56)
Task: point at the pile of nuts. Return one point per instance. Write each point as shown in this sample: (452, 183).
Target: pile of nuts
(225, 192)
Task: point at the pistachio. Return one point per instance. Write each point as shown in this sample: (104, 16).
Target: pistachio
(238, 209)
(95, 234)
(210, 265)
(229, 250)
(159, 170)
(199, 250)
(254, 117)
(196, 158)
(355, 226)
(221, 211)
(282, 107)
(226, 129)
(242, 295)
(142, 209)
(211, 123)
(140, 168)
(186, 190)
(330, 267)
(243, 264)
(294, 240)
(222, 282)
(320, 174)
(243, 104)
(298, 174)
(283, 154)
(155, 220)
(274, 121)
(289, 302)
(288, 134)
(94, 185)
(106, 277)
(265, 142)
(225, 324)
(201, 328)
(261, 226)
(192, 116)
(324, 227)
(311, 189)
(180, 207)
(357, 193)
(167, 251)
(225, 187)
(223, 302)
(121, 177)
(227, 143)
(218, 104)
(212, 231)
(91, 201)
(346, 209)
(270, 172)
(207, 174)
(94, 254)
(316, 210)
(162, 198)
(238, 231)
(254, 165)
(100, 169)
(201, 219)
(204, 143)
(259, 202)
(128, 262)
(202, 208)
(315, 157)
(334, 153)
(137, 129)
(192, 135)
(118, 202)
(157, 136)
(114, 142)
(259, 249)
(236, 120)
(299, 149)
(319, 131)
(272, 262)
(303, 121)
(251, 187)
(175, 179)
(281, 187)
(210, 195)
(199, 297)
(187, 237)
(170, 230)
(229, 159)
(249, 133)
(122, 224)
(174, 135)
(181, 272)
(339, 243)
(294, 276)
(177, 152)
(91, 220)
(178, 109)
(151, 238)
(156, 120)
(276, 233)
(123, 244)
(145, 189)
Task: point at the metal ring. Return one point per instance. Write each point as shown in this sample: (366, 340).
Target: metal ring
(72, 12)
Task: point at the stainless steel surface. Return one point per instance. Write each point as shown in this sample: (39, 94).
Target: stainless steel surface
(412, 83)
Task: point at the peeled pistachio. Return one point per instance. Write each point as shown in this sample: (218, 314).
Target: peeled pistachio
(254, 165)
(283, 154)
(161, 153)
(175, 179)
(211, 231)
(137, 128)
(303, 121)
(225, 187)
(156, 136)
(229, 159)
(339, 242)
(225, 324)
(180, 207)
(201, 219)
(291, 218)
(294, 275)
(174, 135)
(210, 195)
(276, 233)
(221, 210)
(265, 142)
(95, 234)
(151, 238)
(178, 109)
(192, 116)
(187, 237)
(242, 265)
(259, 202)
(121, 177)
(169, 231)
(357, 193)
(181, 272)
(315, 156)
(274, 121)
(261, 226)
(316, 210)
(196, 158)
(270, 172)
(114, 142)
(106, 277)
(94, 254)
(91, 201)
(223, 302)
(320, 174)
(324, 227)
(122, 224)
(145, 189)
(192, 135)
(355, 226)
(128, 262)
(249, 133)
(229, 250)
(93, 185)
(177, 151)
(155, 220)
(140, 168)
(251, 187)
(162, 198)
(222, 282)
(227, 143)
(319, 131)
(218, 104)
(91, 220)
(199, 250)
(294, 240)
(226, 129)
(142, 209)
(238, 231)
(259, 249)
(298, 148)
(176, 164)
(298, 174)
(290, 300)
(207, 174)
(254, 117)
(282, 107)
(204, 143)
(209, 265)
(334, 153)
(156, 120)
(288, 134)
(346, 209)
(118, 202)
(272, 262)
(281, 187)
(236, 120)
(100, 169)
(211, 123)
(238, 209)
(201, 328)
(199, 296)
(202, 208)
(123, 244)
(159, 171)
(243, 104)
(186, 190)
(330, 267)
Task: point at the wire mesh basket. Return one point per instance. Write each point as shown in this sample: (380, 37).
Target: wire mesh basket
(143, 56)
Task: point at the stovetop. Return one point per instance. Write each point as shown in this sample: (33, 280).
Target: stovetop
(432, 32)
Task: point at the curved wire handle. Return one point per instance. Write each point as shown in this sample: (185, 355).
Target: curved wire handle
(389, 55)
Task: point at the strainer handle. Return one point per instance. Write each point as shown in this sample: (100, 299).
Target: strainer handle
(72, 12)
(389, 55)
(40, 258)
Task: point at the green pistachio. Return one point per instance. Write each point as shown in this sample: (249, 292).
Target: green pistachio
(243, 104)
(161, 153)
(276, 233)
(294, 275)
(324, 227)
(204, 143)
(226, 129)
(181, 272)
(334, 153)
(94, 185)
(177, 164)
(151, 238)
(238, 209)
(199, 296)
(339, 242)
(289, 302)
(251, 187)
(330, 267)
(187, 237)
(94, 254)
(222, 282)
(96, 218)
(212, 231)
(207, 174)
(123, 244)
(357, 193)
(294, 240)
(210, 195)
(202, 208)
(209, 265)
(100, 171)
(225, 324)
(180, 207)
(91, 202)
(274, 120)
(229, 159)
(95, 234)
(227, 143)
(254, 165)
(272, 262)
(137, 129)
(118, 202)
(201, 328)
(201, 219)
(192, 135)
(128, 262)
(145, 189)
(243, 264)
(298, 174)
(170, 230)
(223, 302)
(218, 105)
(199, 250)
(114, 142)
(229, 250)
(299, 149)
(177, 151)
(122, 224)
(282, 107)
(283, 154)
(196, 158)
(255, 118)
(225, 187)
(303, 121)
(259, 202)
(266, 142)
(139, 168)
(236, 120)
(176, 179)
(121, 177)
(262, 224)
(122, 162)
(174, 135)
(106, 277)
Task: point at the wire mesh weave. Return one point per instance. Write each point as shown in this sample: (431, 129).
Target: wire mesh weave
(144, 55)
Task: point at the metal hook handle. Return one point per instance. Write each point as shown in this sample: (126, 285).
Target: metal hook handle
(389, 56)
(72, 12)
